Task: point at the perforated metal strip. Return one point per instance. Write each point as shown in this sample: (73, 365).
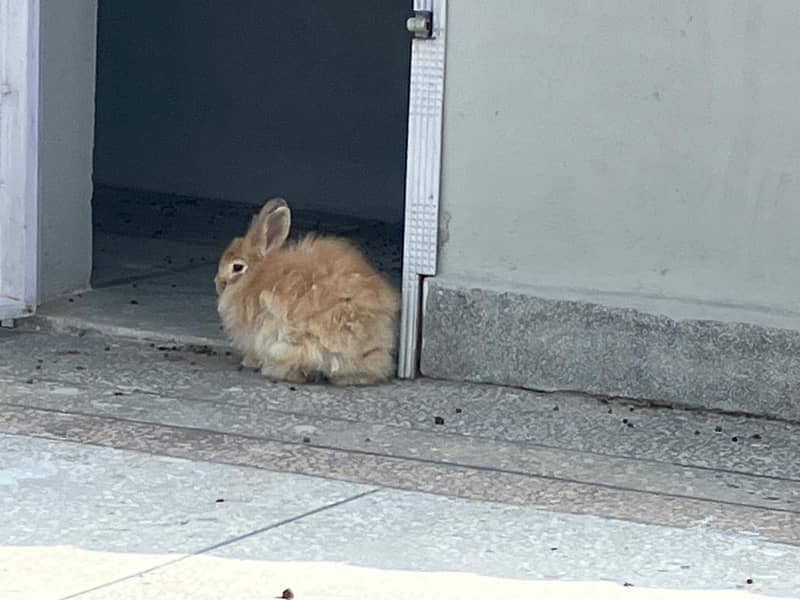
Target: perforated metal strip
(420, 245)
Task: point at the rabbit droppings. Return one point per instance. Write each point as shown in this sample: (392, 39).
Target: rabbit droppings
(305, 309)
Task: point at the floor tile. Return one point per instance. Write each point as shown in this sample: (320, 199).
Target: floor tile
(57, 493)
(423, 533)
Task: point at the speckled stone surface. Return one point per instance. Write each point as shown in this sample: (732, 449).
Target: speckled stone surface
(111, 445)
(120, 501)
(482, 334)
(556, 451)
(662, 478)
(105, 499)
(108, 366)
(396, 530)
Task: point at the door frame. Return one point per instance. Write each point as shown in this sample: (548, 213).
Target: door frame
(423, 176)
(19, 159)
(20, 30)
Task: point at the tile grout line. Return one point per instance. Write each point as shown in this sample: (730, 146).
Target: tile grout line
(524, 444)
(399, 457)
(225, 543)
(513, 443)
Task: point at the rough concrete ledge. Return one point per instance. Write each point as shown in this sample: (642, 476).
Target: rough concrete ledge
(480, 333)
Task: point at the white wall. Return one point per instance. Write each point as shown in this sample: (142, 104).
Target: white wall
(628, 146)
(306, 99)
(68, 34)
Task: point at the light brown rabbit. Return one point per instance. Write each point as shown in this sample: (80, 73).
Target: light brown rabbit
(301, 310)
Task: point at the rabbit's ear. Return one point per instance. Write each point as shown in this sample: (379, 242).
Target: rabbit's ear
(270, 227)
(272, 205)
(276, 229)
(258, 222)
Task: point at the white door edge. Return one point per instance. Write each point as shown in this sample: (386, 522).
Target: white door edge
(423, 173)
(11, 309)
(19, 159)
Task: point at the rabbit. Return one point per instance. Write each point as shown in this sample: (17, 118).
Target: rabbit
(305, 310)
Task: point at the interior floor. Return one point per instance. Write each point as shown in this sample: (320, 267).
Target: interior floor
(155, 256)
(195, 121)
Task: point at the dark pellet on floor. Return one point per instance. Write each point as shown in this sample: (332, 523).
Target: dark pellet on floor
(458, 410)
(218, 500)
(70, 300)
(696, 432)
(718, 429)
(292, 388)
(756, 436)
(749, 581)
(625, 421)
(134, 302)
(734, 439)
(438, 420)
(306, 440)
(119, 394)
(555, 408)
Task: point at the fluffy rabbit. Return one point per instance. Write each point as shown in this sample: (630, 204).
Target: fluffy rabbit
(305, 309)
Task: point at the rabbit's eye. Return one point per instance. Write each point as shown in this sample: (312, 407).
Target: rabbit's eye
(237, 267)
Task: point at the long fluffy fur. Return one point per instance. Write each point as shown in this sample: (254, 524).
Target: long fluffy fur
(309, 308)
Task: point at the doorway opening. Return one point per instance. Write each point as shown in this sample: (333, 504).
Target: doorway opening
(204, 112)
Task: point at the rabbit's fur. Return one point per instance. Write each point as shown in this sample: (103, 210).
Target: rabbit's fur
(305, 309)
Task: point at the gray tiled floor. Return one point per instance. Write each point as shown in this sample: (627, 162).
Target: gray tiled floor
(488, 443)
(100, 499)
(410, 531)
(112, 500)
(108, 444)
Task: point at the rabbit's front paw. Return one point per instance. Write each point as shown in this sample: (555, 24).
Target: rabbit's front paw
(248, 362)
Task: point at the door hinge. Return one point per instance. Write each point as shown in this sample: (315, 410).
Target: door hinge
(421, 24)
